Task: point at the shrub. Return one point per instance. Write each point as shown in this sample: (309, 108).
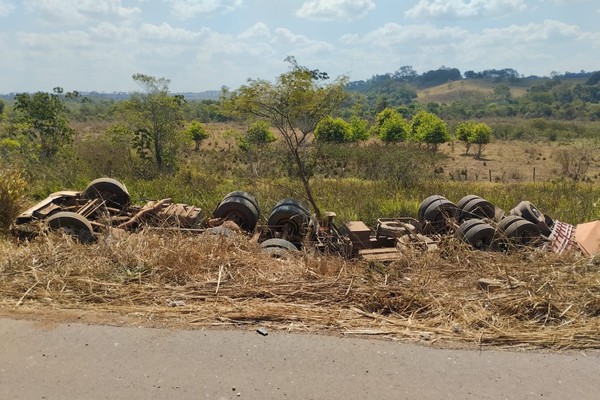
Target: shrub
(12, 196)
(331, 129)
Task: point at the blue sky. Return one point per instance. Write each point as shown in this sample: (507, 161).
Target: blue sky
(202, 45)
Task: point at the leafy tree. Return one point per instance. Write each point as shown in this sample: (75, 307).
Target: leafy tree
(197, 133)
(294, 104)
(331, 129)
(44, 117)
(471, 133)
(463, 133)
(480, 135)
(155, 117)
(257, 136)
(2, 106)
(359, 129)
(390, 126)
(426, 127)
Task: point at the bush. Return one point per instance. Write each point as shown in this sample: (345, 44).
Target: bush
(12, 197)
(331, 129)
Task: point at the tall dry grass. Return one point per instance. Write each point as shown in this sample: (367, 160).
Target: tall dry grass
(537, 299)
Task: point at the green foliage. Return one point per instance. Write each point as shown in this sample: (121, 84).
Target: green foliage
(154, 117)
(259, 134)
(463, 133)
(12, 196)
(426, 127)
(2, 106)
(293, 104)
(470, 132)
(196, 132)
(390, 126)
(359, 129)
(43, 117)
(331, 129)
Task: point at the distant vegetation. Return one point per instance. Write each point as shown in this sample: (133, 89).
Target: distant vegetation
(376, 142)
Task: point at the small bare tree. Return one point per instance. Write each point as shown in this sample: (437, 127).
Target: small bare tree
(574, 162)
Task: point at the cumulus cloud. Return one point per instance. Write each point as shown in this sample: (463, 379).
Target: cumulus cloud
(258, 31)
(79, 11)
(185, 9)
(392, 34)
(427, 9)
(5, 8)
(332, 10)
(165, 32)
(550, 32)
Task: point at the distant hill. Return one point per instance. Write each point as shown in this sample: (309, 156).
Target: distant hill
(206, 95)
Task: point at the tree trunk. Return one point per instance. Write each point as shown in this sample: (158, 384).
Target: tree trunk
(305, 183)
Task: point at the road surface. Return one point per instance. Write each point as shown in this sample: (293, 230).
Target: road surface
(77, 361)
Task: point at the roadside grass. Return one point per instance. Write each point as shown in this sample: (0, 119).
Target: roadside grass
(536, 300)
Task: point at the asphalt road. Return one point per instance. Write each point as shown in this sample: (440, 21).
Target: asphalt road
(72, 361)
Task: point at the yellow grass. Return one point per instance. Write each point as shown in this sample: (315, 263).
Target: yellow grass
(541, 300)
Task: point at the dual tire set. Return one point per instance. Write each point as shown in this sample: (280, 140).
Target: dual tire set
(482, 225)
(289, 218)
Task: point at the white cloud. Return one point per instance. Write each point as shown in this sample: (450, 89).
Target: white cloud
(332, 10)
(392, 34)
(79, 11)
(185, 9)
(426, 9)
(54, 42)
(549, 32)
(165, 32)
(6, 8)
(258, 31)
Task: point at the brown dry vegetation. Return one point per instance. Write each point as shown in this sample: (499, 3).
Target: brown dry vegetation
(538, 300)
(456, 91)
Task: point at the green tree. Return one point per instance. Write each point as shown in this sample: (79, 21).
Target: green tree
(43, 115)
(196, 132)
(426, 127)
(359, 129)
(155, 117)
(331, 129)
(2, 106)
(294, 104)
(463, 133)
(390, 126)
(253, 143)
(480, 136)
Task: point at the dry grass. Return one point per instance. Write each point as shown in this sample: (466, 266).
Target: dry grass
(542, 300)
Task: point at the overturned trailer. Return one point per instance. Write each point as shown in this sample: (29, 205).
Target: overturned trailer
(290, 227)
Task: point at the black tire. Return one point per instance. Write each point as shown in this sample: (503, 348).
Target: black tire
(508, 221)
(439, 214)
(476, 233)
(477, 208)
(522, 233)
(426, 203)
(528, 211)
(465, 199)
(532, 214)
(239, 210)
(113, 192)
(73, 224)
(289, 213)
(244, 195)
(278, 247)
